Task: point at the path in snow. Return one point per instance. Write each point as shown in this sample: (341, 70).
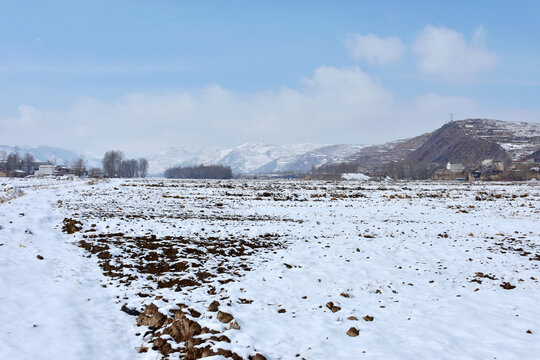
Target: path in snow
(53, 308)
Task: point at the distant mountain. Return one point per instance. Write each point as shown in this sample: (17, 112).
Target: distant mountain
(518, 139)
(182, 156)
(305, 161)
(253, 157)
(466, 141)
(455, 142)
(249, 158)
(55, 155)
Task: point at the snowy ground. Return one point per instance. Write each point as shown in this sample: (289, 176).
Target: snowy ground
(438, 270)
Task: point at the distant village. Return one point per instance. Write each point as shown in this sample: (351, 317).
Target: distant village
(20, 165)
(492, 170)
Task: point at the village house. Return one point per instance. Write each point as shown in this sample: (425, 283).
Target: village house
(454, 167)
(61, 170)
(35, 168)
(44, 169)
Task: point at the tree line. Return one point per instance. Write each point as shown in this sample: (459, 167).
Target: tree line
(15, 161)
(199, 172)
(115, 165)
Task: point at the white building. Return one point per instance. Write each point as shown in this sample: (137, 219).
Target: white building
(45, 170)
(454, 167)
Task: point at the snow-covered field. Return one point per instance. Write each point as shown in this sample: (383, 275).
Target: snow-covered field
(410, 270)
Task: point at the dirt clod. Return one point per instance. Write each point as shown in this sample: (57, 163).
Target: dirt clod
(214, 306)
(353, 332)
(507, 286)
(224, 317)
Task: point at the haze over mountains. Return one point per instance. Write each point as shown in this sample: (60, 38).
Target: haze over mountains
(462, 141)
(256, 158)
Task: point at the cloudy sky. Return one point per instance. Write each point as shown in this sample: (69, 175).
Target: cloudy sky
(143, 75)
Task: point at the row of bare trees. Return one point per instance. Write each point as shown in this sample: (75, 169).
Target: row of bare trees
(17, 161)
(115, 165)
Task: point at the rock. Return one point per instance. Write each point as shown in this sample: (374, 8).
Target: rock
(332, 307)
(224, 317)
(40, 257)
(529, 332)
(281, 311)
(133, 312)
(353, 332)
(353, 318)
(214, 306)
(507, 286)
(368, 318)
(329, 304)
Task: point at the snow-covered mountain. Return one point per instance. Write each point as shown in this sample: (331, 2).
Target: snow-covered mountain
(305, 161)
(55, 155)
(254, 157)
(518, 139)
(183, 156)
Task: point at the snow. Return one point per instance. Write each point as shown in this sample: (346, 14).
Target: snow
(355, 176)
(518, 139)
(406, 253)
(53, 308)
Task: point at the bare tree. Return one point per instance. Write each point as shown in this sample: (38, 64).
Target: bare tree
(111, 163)
(13, 161)
(79, 166)
(28, 164)
(128, 168)
(143, 167)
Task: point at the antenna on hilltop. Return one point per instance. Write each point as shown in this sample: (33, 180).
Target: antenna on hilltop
(451, 117)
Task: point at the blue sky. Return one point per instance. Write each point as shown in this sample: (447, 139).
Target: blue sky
(76, 69)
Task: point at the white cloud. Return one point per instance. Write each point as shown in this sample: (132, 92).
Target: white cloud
(446, 52)
(375, 49)
(334, 105)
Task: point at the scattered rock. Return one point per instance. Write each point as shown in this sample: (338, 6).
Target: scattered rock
(40, 257)
(224, 317)
(332, 307)
(368, 318)
(353, 332)
(281, 311)
(353, 318)
(529, 332)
